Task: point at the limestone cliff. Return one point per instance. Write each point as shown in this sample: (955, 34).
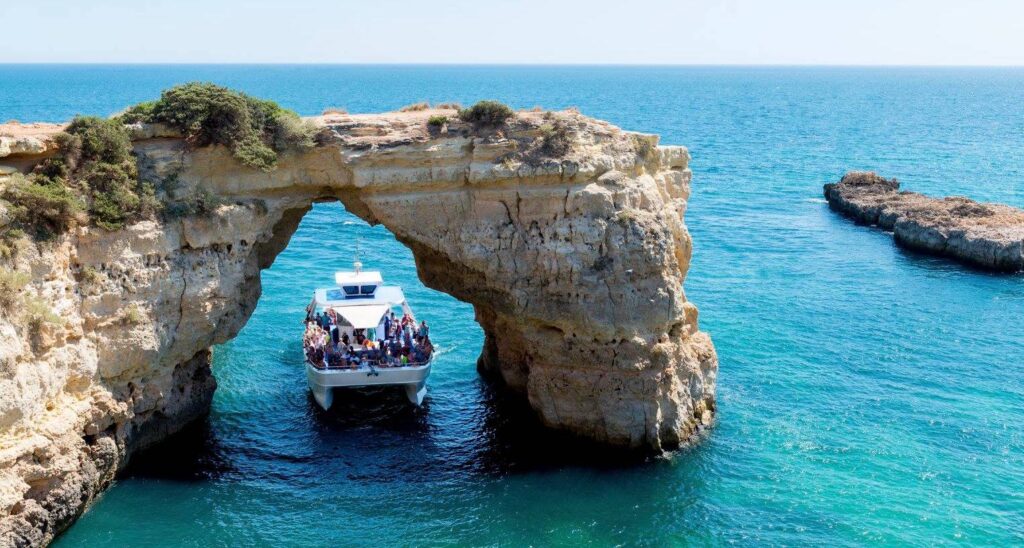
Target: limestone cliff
(574, 262)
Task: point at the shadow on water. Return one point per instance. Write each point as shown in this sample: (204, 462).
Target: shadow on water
(513, 440)
(505, 437)
(192, 454)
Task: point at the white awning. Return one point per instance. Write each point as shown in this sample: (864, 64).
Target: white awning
(371, 277)
(362, 317)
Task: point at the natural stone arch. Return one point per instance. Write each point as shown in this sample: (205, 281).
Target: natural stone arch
(574, 265)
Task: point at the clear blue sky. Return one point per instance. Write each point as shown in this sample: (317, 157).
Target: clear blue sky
(914, 32)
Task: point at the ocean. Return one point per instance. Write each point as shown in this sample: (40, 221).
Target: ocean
(866, 393)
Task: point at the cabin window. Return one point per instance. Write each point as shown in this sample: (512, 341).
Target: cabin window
(350, 290)
(368, 289)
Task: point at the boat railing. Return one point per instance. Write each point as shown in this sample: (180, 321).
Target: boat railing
(343, 364)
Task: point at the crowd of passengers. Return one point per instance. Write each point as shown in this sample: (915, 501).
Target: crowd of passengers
(404, 343)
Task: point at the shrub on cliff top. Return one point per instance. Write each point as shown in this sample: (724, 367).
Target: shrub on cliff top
(94, 166)
(44, 207)
(555, 139)
(487, 114)
(437, 121)
(255, 130)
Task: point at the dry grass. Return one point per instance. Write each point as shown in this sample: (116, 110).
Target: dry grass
(415, 107)
(133, 315)
(12, 283)
(448, 106)
(333, 110)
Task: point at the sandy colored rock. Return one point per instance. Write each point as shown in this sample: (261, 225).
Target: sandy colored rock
(986, 235)
(574, 265)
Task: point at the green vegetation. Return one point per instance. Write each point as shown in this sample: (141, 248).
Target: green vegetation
(437, 121)
(644, 147)
(11, 285)
(42, 206)
(200, 202)
(92, 177)
(255, 130)
(487, 114)
(555, 139)
(12, 241)
(132, 315)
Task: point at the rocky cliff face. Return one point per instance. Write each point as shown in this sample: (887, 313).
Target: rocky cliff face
(989, 236)
(574, 261)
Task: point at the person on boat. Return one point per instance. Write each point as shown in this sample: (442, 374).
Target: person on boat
(428, 347)
(407, 335)
(344, 339)
(417, 354)
(319, 320)
(424, 330)
(387, 324)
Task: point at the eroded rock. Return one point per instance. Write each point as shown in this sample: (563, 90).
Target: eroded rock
(574, 265)
(990, 236)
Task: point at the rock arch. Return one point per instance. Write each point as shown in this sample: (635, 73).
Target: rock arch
(574, 265)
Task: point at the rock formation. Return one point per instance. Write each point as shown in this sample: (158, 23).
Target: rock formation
(573, 263)
(989, 236)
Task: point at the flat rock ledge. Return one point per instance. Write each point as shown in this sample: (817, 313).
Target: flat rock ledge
(985, 235)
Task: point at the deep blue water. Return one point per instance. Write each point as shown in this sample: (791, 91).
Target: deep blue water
(866, 393)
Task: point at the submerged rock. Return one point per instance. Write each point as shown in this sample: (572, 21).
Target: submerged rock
(986, 235)
(573, 262)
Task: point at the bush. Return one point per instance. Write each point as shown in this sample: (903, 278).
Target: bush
(142, 112)
(133, 315)
(333, 110)
(12, 242)
(94, 166)
(47, 207)
(200, 202)
(486, 114)
(255, 130)
(11, 285)
(642, 145)
(555, 139)
(437, 121)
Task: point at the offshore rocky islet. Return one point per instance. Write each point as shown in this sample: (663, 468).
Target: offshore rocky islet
(989, 236)
(574, 266)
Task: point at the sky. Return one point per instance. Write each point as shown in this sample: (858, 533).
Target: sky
(745, 32)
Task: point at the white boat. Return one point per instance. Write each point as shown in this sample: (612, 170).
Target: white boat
(360, 304)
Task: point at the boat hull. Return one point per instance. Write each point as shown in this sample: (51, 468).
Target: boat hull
(323, 382)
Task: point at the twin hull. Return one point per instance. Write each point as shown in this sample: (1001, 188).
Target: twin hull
(322, 382)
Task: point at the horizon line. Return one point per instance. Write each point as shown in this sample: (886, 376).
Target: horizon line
(497, 64)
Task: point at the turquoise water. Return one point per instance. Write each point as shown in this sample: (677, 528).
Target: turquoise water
(866, 393)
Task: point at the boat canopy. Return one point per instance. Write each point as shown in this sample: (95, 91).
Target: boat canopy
(363, 313)
(334, 297)
(366, 316)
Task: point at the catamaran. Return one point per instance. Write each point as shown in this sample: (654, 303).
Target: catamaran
(363, 333)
